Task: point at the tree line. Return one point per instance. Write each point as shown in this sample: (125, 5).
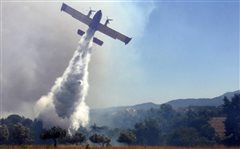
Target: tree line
(162, 126)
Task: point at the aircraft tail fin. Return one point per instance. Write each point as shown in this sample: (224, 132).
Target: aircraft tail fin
(80, 32)
(97, 41)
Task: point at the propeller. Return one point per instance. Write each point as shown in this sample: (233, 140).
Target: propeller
(109, 19)
(90, 9)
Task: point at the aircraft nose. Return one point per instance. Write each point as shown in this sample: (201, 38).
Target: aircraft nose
(100, 12)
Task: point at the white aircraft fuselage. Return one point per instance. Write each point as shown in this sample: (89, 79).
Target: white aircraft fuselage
(94, 25)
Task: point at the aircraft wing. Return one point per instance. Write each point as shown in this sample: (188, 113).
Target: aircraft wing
(112, 33)
(76, 14)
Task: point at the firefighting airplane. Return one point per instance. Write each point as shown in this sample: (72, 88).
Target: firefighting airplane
(94, 25)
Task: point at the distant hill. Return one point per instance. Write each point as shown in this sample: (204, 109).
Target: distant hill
(216, 101)
(121, 117)
(145, 106)
(127, 116)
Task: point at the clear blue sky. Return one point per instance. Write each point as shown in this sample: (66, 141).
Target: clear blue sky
(191, 49)
(186, 50)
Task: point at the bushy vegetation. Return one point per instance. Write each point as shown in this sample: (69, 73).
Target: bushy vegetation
(115, 147)
(127, 137)
(19, 130)
(165, 126)
(232, 123)
(160, 127)
(54, 133)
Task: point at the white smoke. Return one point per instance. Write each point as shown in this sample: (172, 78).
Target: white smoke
(65, 104)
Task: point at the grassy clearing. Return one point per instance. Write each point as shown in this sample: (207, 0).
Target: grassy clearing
(83, 147)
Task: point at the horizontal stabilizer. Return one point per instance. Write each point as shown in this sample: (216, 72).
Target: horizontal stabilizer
(97, 41)
(80, 32)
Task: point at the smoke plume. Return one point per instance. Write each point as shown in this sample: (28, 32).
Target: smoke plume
(65, 104)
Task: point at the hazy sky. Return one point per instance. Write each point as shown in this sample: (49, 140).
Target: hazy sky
(178, 50)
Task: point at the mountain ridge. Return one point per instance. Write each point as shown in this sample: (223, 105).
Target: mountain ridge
(215, 101)
(120, 116)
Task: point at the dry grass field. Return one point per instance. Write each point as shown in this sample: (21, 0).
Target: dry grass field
(84, 147)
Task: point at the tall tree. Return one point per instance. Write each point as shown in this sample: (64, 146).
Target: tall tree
(77, 138)
(21, 134)
(148, 132)
(232, 123)
(54, 133)
(186, 136)
(199, 120)
(127, 137)
(36, 130)
(101, 139)
(4, 134)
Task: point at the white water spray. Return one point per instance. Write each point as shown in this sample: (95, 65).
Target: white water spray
(65, 104)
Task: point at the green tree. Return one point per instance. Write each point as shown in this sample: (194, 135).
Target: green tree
(77, 138)
(148, 132)
(127, 137)
(101, 139)
(36, 130)
(198, 118)
(54, 133)
(152, 131)
(185, 136)
(166, 117)
(21, 134)
(4, 134)
(14, 119)
(232, 122)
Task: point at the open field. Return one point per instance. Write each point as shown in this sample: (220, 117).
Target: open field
(83, 147)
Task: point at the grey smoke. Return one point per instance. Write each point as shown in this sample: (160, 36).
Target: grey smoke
(35, 53)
